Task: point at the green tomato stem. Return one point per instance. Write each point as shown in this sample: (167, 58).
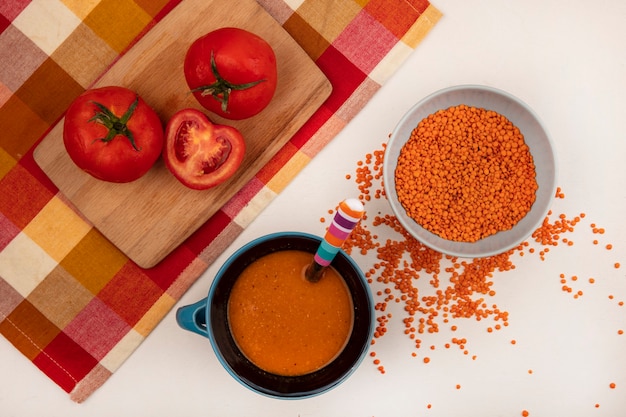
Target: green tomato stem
(220, 90)
(115, 125)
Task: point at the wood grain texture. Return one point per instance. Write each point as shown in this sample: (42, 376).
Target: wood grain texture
(150, 217)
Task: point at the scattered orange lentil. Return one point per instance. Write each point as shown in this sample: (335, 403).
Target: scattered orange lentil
(525, 413)
(466, 173)
(458, 386)
(617, 265)
(609, 246)
(458, 287)
(548, 233)
(467, 279)
(620, 331)
(612, 385)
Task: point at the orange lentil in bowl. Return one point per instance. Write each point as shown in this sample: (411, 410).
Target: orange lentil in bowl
(465, 174)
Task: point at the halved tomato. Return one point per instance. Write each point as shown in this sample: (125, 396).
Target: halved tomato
(198, 152)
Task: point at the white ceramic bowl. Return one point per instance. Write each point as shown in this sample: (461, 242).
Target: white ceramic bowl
(535, 136)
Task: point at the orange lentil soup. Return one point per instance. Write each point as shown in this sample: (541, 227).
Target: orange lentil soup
(285, 324)
(465, 174)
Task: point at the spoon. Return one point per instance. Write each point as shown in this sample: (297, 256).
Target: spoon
(346, 218)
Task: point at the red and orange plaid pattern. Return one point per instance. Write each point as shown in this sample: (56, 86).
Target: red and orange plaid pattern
(71, 302)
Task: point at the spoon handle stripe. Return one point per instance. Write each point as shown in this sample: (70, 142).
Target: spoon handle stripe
(346, 218)
(336, 235)
(325, 253)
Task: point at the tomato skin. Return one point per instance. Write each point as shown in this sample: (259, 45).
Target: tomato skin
(199, 153)
(241, 57)
(117, 160)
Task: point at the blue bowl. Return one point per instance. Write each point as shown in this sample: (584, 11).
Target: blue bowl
(209, 318)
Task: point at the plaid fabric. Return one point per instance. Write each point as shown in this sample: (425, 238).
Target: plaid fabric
(72, 303)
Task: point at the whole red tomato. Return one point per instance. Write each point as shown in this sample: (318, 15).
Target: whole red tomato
(231, 72)
(199, 153)
(112, 134)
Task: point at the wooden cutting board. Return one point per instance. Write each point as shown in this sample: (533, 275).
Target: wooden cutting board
(150, 217)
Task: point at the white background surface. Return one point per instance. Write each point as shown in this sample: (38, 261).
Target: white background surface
(566, 60)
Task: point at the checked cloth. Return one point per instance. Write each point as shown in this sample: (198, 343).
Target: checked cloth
(70, 301)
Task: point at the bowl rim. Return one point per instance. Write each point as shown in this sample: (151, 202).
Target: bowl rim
(366, 318)
(434, 241)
